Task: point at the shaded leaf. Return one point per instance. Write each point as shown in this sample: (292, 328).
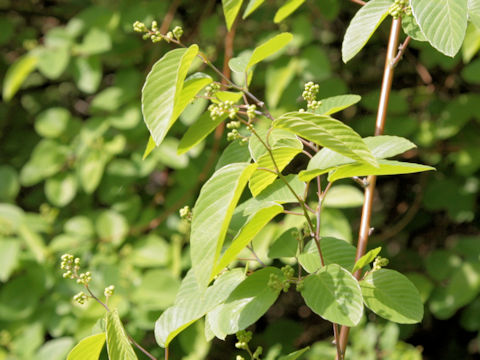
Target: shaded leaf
(334, 294)
(334, 251)
(199, 131)
(285, 245)
(295, 355)
(392, 296)
(366, 259)
(246, 304)
(343, 196)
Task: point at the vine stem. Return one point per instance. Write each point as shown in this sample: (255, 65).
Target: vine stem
(364, 230)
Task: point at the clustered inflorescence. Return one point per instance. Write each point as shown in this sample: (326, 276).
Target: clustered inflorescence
(399, 8)
(154, 33)
(275, 283)
(244, 338)
(310, 95)
(71, 267)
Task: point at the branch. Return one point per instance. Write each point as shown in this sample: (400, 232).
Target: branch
(401, 50)
(359, 2)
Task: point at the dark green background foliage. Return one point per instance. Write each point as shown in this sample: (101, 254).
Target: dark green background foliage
(72, 178)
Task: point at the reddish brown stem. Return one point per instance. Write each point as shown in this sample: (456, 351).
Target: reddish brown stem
(359, 2)
(364, 231)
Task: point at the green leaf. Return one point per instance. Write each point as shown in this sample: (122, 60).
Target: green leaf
(366, 259)
(328, 132)
(343, 196)
(262, 178)
(471, 44)
(112, 227)
(194, 302)
(474, 12)
(34, 242)
(230, 10)
(239, 64)
(338, 103)
(277, 80)
(295, 355)
(211, 215)
(88, 348)
(246, 304)
(392, 296)
(234, 153)
(52, 122)
(285, 245)
(118, 345)
(280, 193)
(411, 28)
(334, 251)
(10, 183)
(199, 131)
(286, 10)
(251, 7)
(56, 349)
(269, 48)
(443, 22)
(52, 62)
(381, 147)
(334, 294)
(87, 73)
(161, 94)
(386, 167)
(17, 74)
(95, 41)
(252, 227)
(363, 25)
(61, 189)
(276, 138)
(149, 148)
(9, 256)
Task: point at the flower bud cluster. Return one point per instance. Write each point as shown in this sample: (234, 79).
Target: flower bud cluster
(186, 213)
(109, 291)
(211, 89)
(379, 263)
(71, 265)
(288, 271)
(84, 278)
(81, 298)
(400, 7)
(243, 338)
(275, 283)
(226, 107)
(154, 33)
(251, 111)
(310, 95)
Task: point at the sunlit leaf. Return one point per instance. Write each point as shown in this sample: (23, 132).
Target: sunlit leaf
(88, 348)
(334, 251)
(335, 104)
(118, 345)
(443, 22)
(328, 132)
(363, 25)
(251, 7)
(286, 10)
(161, 94)
(17, 74)
(211, 216)
(366, 259)
(230, 10)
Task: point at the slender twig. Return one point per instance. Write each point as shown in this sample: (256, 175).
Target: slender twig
(309, 144)
(250, 247)
(364, 231)
(292, 213)
(359, 2)
(401, 51)
(337, 341)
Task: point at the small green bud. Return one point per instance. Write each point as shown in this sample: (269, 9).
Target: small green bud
(139, 27)
(80, 298)
(186, 213)
(154, 26)
(257, 353)
(379, 263)
(300, 286)
(109, 291)
(177, 32)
